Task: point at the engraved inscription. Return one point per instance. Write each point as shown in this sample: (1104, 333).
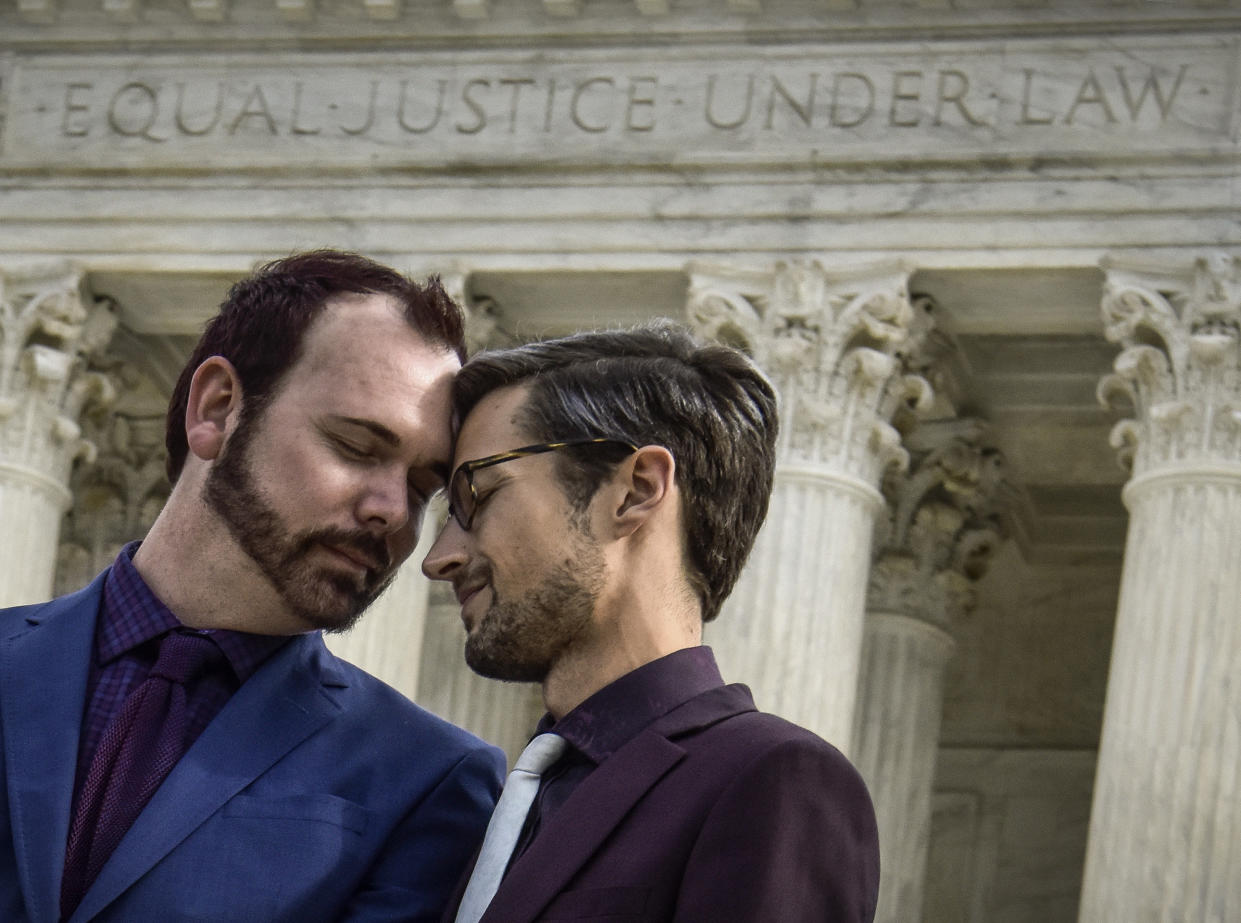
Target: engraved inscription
(458, 111)
(157, 111)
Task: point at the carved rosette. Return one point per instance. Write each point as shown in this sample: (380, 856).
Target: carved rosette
(834, 345)
(944, 522)
(1180, 366)
(50, 338)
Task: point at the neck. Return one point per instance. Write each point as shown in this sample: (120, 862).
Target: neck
(191, 563)
(628, 631)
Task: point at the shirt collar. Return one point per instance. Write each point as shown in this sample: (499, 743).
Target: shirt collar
(133, 615)
(607, 720)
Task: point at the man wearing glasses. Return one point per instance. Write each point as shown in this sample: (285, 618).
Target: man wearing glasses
(606, 491)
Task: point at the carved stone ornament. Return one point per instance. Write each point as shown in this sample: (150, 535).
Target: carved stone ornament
(945, 520)
(482, 314)
(835, 345)
(116, 499)
(49, 339)
(1180, 367)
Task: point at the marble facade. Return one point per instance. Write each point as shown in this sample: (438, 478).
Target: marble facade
(947, 228)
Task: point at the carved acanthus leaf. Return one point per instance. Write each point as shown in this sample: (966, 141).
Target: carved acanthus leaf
(834, 345)
(945, 518)
(51, 336)
(1180, 365)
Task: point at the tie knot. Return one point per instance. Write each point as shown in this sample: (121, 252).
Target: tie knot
(540, 753)
(184, 655)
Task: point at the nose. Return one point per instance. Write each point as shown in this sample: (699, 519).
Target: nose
(448, 552)
(384, 506)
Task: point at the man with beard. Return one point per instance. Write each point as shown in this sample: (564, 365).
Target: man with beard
(178, 743)
(606, 492)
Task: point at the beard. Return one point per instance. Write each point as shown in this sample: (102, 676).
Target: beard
(519, 640)
(323, 598)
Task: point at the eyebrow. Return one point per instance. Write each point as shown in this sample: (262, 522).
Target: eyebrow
(388, 437)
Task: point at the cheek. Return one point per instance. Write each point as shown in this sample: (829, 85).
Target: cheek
(404, 542)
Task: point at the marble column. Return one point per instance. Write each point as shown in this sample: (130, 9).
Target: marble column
(832, 342)
(1165, 827)
(942, 525)
(49, 335)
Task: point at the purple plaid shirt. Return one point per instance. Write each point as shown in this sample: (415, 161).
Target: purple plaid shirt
(130, 622)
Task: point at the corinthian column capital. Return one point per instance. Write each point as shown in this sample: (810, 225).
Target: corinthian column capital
(1180, 364)
(834, 343)
(944, 522)
(49, 336)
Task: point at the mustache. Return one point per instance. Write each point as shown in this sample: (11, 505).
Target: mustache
(478, 574)
(371, 547)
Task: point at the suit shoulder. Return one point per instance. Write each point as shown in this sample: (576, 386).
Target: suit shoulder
(15, 617)
(370, 700)
(763, 739)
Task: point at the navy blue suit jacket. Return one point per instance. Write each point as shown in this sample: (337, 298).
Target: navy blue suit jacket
(317, 794)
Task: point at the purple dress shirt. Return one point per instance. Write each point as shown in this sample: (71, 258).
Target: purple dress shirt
(131, 619)
(610, 718)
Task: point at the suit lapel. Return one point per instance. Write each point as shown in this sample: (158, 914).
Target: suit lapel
(43, 671)
(278, 708)
(580, 826)
(600, 803)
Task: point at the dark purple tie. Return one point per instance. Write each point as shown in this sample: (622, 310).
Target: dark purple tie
(138, 749)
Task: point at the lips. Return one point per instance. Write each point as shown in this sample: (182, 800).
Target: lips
(354, 556)
(467, 590)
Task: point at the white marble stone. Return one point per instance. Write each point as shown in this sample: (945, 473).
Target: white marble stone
(792, 628)
(900, 704)
(1165, 830)
(48, 334)
(1007, 835)
(117, 497)
(942, 525)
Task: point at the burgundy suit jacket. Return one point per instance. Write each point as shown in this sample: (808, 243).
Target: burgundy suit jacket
(715, 813)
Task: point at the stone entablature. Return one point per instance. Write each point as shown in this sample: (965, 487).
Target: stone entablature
(439, 19)
(713, 106)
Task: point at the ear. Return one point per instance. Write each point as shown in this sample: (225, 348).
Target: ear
(213, 407)
(647, 482)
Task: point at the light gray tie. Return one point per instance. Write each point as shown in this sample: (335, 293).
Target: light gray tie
(506, 823)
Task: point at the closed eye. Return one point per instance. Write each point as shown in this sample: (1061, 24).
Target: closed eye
(351, 450)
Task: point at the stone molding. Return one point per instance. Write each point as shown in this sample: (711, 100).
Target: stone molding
(839, 17)
(51, 337)
(1180, 364)
(833, 343)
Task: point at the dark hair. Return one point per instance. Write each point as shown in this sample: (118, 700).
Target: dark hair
(652, 385)
(262, 324)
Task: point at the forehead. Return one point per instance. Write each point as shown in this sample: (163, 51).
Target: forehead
(361, 358)
(493, 426)
(365, 339)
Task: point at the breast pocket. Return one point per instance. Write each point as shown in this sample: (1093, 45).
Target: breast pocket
(322, 808)
(614, 905)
